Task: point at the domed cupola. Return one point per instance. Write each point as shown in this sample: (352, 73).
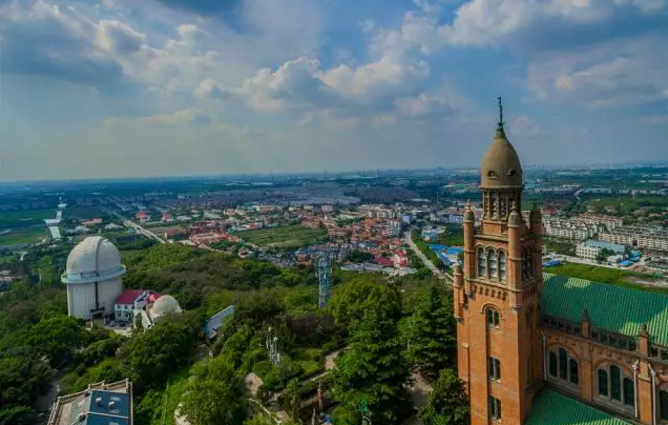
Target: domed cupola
(501, 167)
(501, 175)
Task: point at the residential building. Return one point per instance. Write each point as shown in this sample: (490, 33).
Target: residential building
(643, 237)
(586, 252)
(539, 349)
(614, 247)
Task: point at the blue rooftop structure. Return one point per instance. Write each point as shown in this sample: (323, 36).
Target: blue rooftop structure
(217, 321)
(625, 263)
(100, 404)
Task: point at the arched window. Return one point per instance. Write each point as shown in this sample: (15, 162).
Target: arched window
(663, 404)
(616, 387)
(493, 264)
(502, 265)
(553, 364)
(615, 383)
(482, 263)
(563, 364)
(493, 317)
(603, 382)
(563, 368)
(575, 377)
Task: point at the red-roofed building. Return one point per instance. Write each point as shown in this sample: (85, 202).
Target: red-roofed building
(385, 262)
(129, 301)
(400, 259)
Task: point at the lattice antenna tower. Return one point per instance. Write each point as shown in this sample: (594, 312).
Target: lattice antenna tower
(323, 271)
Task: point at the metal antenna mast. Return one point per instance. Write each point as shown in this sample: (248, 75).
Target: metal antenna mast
(323, 271)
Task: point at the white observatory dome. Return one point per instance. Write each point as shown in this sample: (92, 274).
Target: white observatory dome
(94, 259)
(165, 304)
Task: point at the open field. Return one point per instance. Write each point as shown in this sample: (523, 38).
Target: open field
(282, 237)
(607, 275)
(11, 219)
(22, 235)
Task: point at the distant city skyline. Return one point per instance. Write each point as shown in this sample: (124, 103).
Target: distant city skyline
(125, 89)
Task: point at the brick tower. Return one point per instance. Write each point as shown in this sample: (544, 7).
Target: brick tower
(496, 298)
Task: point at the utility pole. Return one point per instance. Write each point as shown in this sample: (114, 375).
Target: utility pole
(272, 347)
(324, 273)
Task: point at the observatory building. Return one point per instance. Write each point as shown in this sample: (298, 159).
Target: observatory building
(93, 278)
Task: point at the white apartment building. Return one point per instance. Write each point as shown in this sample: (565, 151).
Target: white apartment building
(638, 237)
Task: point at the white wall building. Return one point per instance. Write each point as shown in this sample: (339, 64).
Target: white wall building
(94, 278)
(586, 252)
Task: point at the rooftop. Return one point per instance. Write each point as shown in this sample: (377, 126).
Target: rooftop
(551, 408)
(610, 307)
(100, 404)
(129, 296)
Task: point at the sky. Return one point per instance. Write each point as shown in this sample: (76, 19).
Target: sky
(130, 88)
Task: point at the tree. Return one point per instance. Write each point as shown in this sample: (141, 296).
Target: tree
(18, 416)
(430, 333)
(447, 403)
(353, 300)
(359, 256)
(373, 370)
(214, 394)
(57, 337)
(22, 379)
(150, 356)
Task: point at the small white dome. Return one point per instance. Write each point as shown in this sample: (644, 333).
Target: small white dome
(94, 259)
(165, 304)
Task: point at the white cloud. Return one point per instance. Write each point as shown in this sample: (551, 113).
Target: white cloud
(119, 38)
(615, 73)
(375, 77)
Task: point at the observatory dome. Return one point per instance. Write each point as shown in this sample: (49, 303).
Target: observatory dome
(94, 259)
(164, 305)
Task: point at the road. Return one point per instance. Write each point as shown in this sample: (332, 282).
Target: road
(138, 228)
(426, 261)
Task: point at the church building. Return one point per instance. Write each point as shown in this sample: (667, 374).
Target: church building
(539, 349)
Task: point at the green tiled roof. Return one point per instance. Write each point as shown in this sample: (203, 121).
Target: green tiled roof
(551, 408)
(610, 307)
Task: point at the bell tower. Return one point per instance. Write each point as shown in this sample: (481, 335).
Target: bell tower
(496, 295)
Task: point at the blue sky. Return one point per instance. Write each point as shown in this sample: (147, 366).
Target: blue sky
(128, 88)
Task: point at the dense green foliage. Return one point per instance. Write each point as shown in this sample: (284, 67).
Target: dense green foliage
(214, 394)
(352, 301)
(447, 403)
(430, 333)
(358, 256)
(373, 370)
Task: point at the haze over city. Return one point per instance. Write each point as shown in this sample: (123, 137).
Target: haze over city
(121, 88)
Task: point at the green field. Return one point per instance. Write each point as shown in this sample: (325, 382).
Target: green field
(11, 219)
(22, 235)
(603, 274)
(282, 237)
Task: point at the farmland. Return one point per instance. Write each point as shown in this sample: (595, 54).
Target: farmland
(282, 237)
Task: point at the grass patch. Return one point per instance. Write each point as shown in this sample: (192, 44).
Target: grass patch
(10, 219)
(22, 235)
(616, 277)
(282, 237)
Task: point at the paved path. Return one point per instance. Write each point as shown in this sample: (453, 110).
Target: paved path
(138, 228)
(426, 261)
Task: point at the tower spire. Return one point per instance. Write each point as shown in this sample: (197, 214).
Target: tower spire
(501, 123)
